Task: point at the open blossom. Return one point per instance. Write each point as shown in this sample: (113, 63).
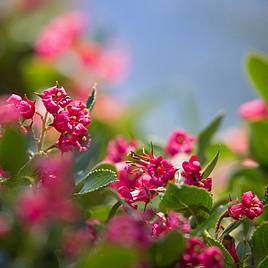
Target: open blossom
(25, 107)
(179, 142)
(173, 220)
(191, 172)
(212, 258)
(254, 110)
(250, 207)
(129, 231)
(55, 98)
(118, 148)
(60, 34)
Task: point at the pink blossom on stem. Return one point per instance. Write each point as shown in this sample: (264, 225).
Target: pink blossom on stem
(179, 142)
(254, 110)
(236, 211)
(212, 258)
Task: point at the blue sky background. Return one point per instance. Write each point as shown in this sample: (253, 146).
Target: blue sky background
(186, 52)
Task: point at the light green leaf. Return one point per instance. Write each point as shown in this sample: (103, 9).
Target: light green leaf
(257, 69)
(263, 263)
(210, 166)
(260, 243)
(205, 137)
(97, 179)
(189, 200)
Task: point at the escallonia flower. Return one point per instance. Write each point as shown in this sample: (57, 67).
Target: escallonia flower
(165, 223)
(25, 107)
(118, 148)
(251, 207)
(212, 258)
(179, 142)
(191, 172)
(54, 99)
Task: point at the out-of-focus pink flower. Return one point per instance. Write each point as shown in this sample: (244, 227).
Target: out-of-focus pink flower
(60, 34)
(179, 142)
(129, 231)
(26, 107)
(173, 220)
(112, 66)
(55, 98)
(9, 114)
(212, 258)
(237, 140)
(250, 207)
(191, 172)
(118, 148)
(229, 244)
(254, 110)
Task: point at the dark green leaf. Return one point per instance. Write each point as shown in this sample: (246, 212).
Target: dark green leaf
(97, 179)
(106, 255)
(263, 263)
(257, 69)
(92, 98)
(189, 200)
(210, 166)
(13, 151)
(205, 137)
(243, 250)
(211, 221)
(168, 250)
(228, 259)
(260, 243)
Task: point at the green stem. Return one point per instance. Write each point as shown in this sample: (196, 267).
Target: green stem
(41, 141)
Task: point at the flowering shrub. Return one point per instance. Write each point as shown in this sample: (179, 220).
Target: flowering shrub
(66, 202)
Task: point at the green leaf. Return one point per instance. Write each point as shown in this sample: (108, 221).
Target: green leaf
(210, 166)
(13, 151)
(263, 263)
(265, 198)
(168, 250)
(97, 179)
(211, 220)
(230, 228)
(205, 137)
(189, 200)
(92, 98)
(257, 69)
(228, 259)
(243, 250)
(106, 255)
(260, 243)
(258, 141)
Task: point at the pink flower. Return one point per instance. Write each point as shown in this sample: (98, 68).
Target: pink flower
(254, 110)
(25, 107)
(9, 114)
(212, 258)
(173, 220)
(55, 98)
(236, 211)
(129, 231)
(252, 206)
(60, 34)
(118, 148)
(192, 254)
(191, 172)
(179, 142)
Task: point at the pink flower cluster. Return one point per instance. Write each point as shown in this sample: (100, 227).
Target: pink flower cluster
(179, 142)
(70, 118)
(118, 148)
(254, 110)
(139, 180)
(198, 255)
(60, 34)
(251, 207)
(49, 200)
(165, 223)
(191, 172)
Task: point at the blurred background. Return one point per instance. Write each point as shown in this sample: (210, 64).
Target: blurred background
(175, 64)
